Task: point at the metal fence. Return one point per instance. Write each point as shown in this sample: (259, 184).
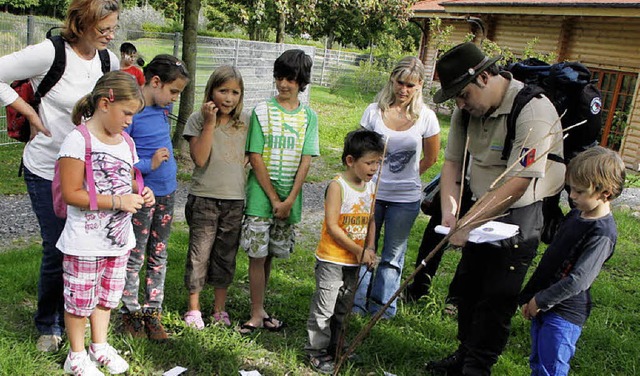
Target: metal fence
(253, 59)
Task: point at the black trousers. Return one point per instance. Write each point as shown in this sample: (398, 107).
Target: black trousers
(489, 278)
(430, 239)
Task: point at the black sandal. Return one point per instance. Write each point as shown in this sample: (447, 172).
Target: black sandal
(247, 329)
(272, 327)
(322, 364)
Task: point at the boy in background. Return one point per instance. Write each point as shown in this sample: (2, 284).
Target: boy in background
(128, 59)
(556, 299)
(282, 138)
(346, 229)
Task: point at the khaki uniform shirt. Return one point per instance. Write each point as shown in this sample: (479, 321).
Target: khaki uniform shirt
(536, 121)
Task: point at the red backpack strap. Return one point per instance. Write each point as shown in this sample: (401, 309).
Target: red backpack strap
(138, 174)
(91, 184)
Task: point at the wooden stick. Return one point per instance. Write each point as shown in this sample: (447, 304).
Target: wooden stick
(367, 328)
(465, 223)
(551, 133)
(463, 176)
(515, 163)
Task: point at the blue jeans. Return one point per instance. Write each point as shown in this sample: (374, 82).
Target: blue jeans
(397, 219)
(553, 343)
(49, 317)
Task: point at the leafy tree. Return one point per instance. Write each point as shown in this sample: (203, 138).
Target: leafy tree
(382, 16)
(223, 15)
(53, 8)
(358, 22)
(170, 8)
(18, 5)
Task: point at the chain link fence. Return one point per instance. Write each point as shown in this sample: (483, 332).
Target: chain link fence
(253, 59)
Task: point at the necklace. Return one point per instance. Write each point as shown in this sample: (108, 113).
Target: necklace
(399, 114)
(90, 68)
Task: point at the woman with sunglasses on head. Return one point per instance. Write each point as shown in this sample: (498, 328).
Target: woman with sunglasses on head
(88, 28)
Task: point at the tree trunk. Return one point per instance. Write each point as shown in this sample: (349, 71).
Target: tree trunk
(330, 39)
(253, 30)
(281, 25)
(189, 53)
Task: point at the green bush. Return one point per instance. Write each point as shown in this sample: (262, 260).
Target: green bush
(367, 77)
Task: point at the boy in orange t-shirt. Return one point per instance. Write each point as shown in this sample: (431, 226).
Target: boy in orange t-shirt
(346, 242)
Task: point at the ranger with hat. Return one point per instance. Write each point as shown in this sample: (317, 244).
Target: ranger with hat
(490, 275)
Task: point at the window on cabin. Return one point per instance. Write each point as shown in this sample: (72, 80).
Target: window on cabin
(617, 94)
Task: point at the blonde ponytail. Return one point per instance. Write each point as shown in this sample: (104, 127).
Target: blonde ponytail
(84, 108)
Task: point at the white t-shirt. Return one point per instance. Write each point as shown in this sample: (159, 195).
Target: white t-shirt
(400, 181)
(78, 79)
(100, 232)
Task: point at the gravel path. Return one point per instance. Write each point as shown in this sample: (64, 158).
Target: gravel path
(18, 223)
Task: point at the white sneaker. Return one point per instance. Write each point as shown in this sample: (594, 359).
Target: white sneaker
(109, 357)
(81, 366)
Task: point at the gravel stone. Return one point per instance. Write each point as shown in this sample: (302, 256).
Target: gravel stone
(19, 223)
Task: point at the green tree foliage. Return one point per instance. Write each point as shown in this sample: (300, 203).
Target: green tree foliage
(357, 22)
(223, 15)
(172, 9)
(18, 4)
(51, 8)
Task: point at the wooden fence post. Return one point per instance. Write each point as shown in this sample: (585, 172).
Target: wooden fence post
(31, 27)
(236, 54)
(176, 44)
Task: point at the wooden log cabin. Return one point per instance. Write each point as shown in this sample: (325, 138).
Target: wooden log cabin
(603, 35)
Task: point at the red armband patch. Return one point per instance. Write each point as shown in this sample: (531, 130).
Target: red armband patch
(528, 157)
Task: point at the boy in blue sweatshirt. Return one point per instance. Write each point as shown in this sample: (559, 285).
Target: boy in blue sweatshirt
(556, 299)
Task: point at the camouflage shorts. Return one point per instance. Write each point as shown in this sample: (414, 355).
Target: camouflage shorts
(267, 236)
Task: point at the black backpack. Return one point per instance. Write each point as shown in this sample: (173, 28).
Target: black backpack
(17, 126)
(569, 87)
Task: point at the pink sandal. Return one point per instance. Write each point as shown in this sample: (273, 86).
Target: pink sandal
(194, 319)
(222, 317)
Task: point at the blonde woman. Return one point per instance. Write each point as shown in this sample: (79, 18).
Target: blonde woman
(412, 133)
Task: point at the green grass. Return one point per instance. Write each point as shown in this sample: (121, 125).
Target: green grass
(420, 332)
(338, 113)
(10, 155)
(608, 346)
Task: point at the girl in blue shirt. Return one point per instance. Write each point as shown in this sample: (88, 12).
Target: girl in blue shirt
(166, 77)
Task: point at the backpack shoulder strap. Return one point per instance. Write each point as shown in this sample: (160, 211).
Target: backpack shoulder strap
(91, 184)
(137, 172)
(105, 60)
(129, 141)
(523, 97)
(55, 71)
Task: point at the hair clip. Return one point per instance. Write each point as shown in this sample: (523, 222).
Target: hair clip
(178, 63)
(112, 97)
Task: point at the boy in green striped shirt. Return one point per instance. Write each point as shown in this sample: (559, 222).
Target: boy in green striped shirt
(282, 138)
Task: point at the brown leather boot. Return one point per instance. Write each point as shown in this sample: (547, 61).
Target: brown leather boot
(153, 326)
(133, 323)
